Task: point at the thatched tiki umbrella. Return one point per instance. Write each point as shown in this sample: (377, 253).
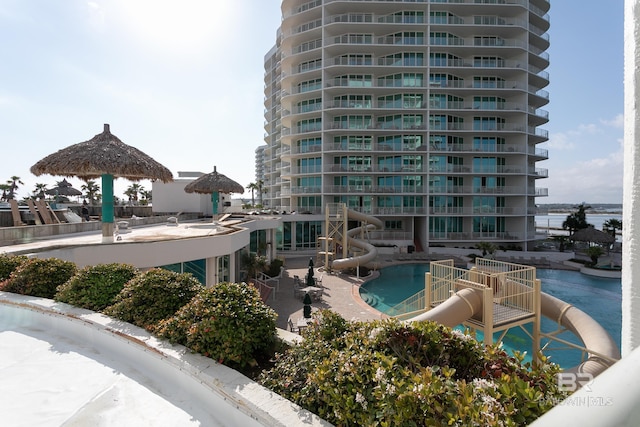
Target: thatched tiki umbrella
(104, 156)
(591, 235)
(64, 188)
(214, 183)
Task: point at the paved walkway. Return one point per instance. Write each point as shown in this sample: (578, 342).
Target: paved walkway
(340, 294)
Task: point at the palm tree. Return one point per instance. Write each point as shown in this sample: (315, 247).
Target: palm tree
(577, 220)
(486, 248)
(132, 192)
(5, 188)
(146, 196)
(13, 186)
(39, 189)
(253, 187)
(594, 252)
(261, 190)
(91, 191)
(611, 225)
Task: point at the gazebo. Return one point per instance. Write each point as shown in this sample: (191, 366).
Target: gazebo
(105, 156)
(64, 188)
(591, 235)
(214, 183)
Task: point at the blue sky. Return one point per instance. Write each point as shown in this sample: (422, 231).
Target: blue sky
(183, 82)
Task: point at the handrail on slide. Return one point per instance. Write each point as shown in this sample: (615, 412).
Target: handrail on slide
(369, 223)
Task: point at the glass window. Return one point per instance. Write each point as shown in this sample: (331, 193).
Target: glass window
(488, 143)
(310, 85)
(310, 65)
(310, 105)
(488, 102)
(307, 234)
(353, 142)
(488, 41)
(437, 59)
(310, 125)
(310, 165)
(309, 145)
(488, 123)
(353, 101)
(353, 122)
(354, 59)
(401, 80)
(407, 37)
(355, 80)
(488, 82)
(488, 61)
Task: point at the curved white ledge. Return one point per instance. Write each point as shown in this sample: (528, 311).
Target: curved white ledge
(210, 393)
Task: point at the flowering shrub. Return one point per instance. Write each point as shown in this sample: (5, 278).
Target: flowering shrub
(8, 263)
(96, 287)
(228, 322)
(389, 373)
(39, 277)
(153, 296)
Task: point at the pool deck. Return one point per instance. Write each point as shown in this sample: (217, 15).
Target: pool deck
(340, 291)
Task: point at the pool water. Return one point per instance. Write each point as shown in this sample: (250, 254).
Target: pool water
(600, 298)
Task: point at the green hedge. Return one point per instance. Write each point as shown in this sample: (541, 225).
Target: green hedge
(153, 296)
(8, 263)
(96, 287)
(228, 322)
(388, 373)
(39, 277)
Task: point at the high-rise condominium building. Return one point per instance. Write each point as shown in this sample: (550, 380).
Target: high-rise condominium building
(423, 113)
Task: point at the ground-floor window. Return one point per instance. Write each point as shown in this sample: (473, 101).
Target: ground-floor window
(223, 268)
(196, 267)
(442, 226)
(307, 234)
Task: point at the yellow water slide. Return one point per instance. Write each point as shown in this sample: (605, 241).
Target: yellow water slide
(463, 304)
(370, 252)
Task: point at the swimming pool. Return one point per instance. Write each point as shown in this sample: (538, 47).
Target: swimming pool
(600, 298)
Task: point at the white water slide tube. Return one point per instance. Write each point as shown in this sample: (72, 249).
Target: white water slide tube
(465, 303)
(371, 223)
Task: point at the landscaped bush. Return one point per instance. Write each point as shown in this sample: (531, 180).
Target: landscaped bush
(228, 322)
(39, 277)
(96, 287)
(153, 296)
(390, 373)
(274, 267)
(8, 263)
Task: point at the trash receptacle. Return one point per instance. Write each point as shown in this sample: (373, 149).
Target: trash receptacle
(411, 249)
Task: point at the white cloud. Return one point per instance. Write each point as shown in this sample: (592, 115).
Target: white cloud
(617, 122)
(596, 180)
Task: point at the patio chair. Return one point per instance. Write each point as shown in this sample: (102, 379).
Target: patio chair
(316, 295)
(293, 327)
(298, 290)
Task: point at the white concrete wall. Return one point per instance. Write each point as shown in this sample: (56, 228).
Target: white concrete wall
(214, 391)
(171, 197)
(631, 189)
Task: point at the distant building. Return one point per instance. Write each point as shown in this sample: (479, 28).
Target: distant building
(170, 197)
(425, 114)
